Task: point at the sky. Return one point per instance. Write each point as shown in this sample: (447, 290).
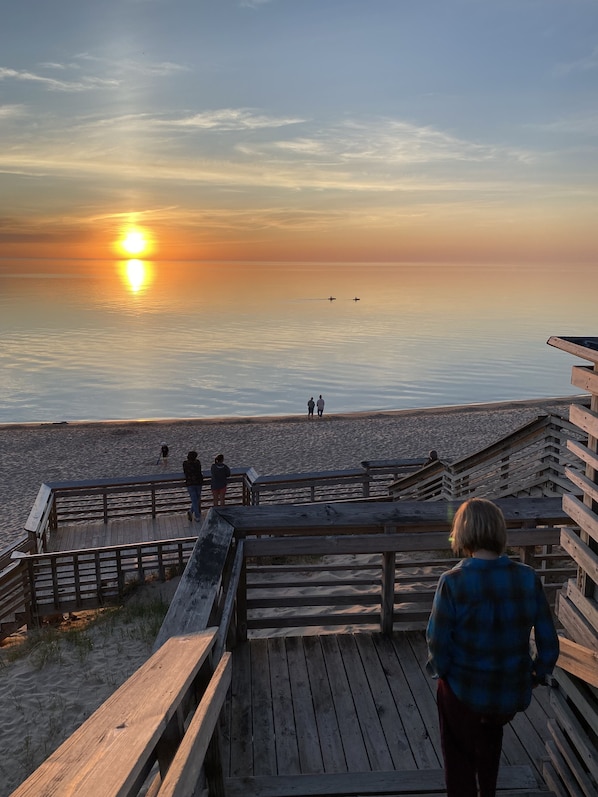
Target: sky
(300, 130)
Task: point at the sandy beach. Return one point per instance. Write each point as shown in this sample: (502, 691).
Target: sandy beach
(63, 676)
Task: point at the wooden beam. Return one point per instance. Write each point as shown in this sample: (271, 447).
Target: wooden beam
(190, 609)
(585, 419)
(581, 515)
(578, 660)
(585, 377)
(584, 348)
(183, 774)
(402, 514)
(404, 782)
(583, 452)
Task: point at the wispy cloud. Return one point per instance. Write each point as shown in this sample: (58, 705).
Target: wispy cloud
(85, 84)
(12, 111)
(228, 119)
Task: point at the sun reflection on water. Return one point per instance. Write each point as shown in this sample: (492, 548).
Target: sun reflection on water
(136, 275)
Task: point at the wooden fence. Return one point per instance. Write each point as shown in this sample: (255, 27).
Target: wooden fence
(531, 461)
(89, 579)
(572, 765)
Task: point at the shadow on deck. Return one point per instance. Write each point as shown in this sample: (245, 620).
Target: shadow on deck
(359, 708)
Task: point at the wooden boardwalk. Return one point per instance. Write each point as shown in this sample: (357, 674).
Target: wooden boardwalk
(349, 703)
(122, 531)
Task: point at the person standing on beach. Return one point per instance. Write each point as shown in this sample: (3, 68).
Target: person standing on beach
(310, 407)
(320, 405)
(220, 474)
(479, 647)
(193, 482)
(163, 458)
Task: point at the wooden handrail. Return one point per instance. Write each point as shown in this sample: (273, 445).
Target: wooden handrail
(115, 749)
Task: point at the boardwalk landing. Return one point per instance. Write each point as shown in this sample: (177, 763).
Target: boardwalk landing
(127, 531)
(350, 703)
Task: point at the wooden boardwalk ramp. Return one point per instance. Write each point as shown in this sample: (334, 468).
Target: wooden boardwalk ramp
(352, 714)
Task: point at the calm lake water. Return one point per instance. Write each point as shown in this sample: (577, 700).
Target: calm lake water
(131, 339)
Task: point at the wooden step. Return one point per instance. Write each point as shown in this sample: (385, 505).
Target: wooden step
(512, 780)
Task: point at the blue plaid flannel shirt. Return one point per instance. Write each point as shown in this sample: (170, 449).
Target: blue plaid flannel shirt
(479, 634)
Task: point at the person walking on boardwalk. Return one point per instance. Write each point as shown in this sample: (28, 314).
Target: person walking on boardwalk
(220, 474)
(479, 647)
(193, 482)
(310, 407)
(320, 405)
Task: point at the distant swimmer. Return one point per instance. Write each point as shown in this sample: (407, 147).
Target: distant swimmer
(356, 299)
(332, 298)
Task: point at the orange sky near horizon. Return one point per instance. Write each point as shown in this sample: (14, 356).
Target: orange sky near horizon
(259, 130)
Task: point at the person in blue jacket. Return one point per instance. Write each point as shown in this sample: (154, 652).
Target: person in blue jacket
(478, 637)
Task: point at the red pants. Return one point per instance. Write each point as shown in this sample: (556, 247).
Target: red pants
(471, 746)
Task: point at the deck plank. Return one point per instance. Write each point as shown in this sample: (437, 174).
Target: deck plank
(310, 754)
(287, 751)
(264, 750)
(240, 754)
(371, 728)
(351, 737)
(390, 719)
(333, 755)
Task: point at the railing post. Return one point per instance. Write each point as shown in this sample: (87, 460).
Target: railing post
(105, 505)
(242, 602)
(387, 599)
(153, 496)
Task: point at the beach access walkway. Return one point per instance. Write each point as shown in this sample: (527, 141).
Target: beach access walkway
(354, 714)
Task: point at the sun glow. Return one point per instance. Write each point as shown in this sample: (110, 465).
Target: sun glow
(134, 242)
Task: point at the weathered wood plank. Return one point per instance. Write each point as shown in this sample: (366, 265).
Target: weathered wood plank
(584, 348)
(585, 747)
(575, 624)
(406, 782)
(191, 606)
(349, 729)
(241, 762)
(583, 452)
(184, 771)
(585, 605)
(580, 698)
(333, 756)
(584, 377)
(414, 727)
(585, 419)
(371, 728)
(403, 514)
(310, 754)
(579, 661)
(569, 756)
(402, 542)
(287, 751)
(421, 686)
(390, 720)
(264, 751)
(582, 553)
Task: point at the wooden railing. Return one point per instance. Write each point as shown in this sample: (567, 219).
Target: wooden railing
(532, 460)
(152, 735)
(368, 565)
(92, 578)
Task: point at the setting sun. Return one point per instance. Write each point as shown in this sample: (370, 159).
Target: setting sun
(134, 243)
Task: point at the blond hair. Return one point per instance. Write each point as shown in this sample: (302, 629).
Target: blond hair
(479, 524)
